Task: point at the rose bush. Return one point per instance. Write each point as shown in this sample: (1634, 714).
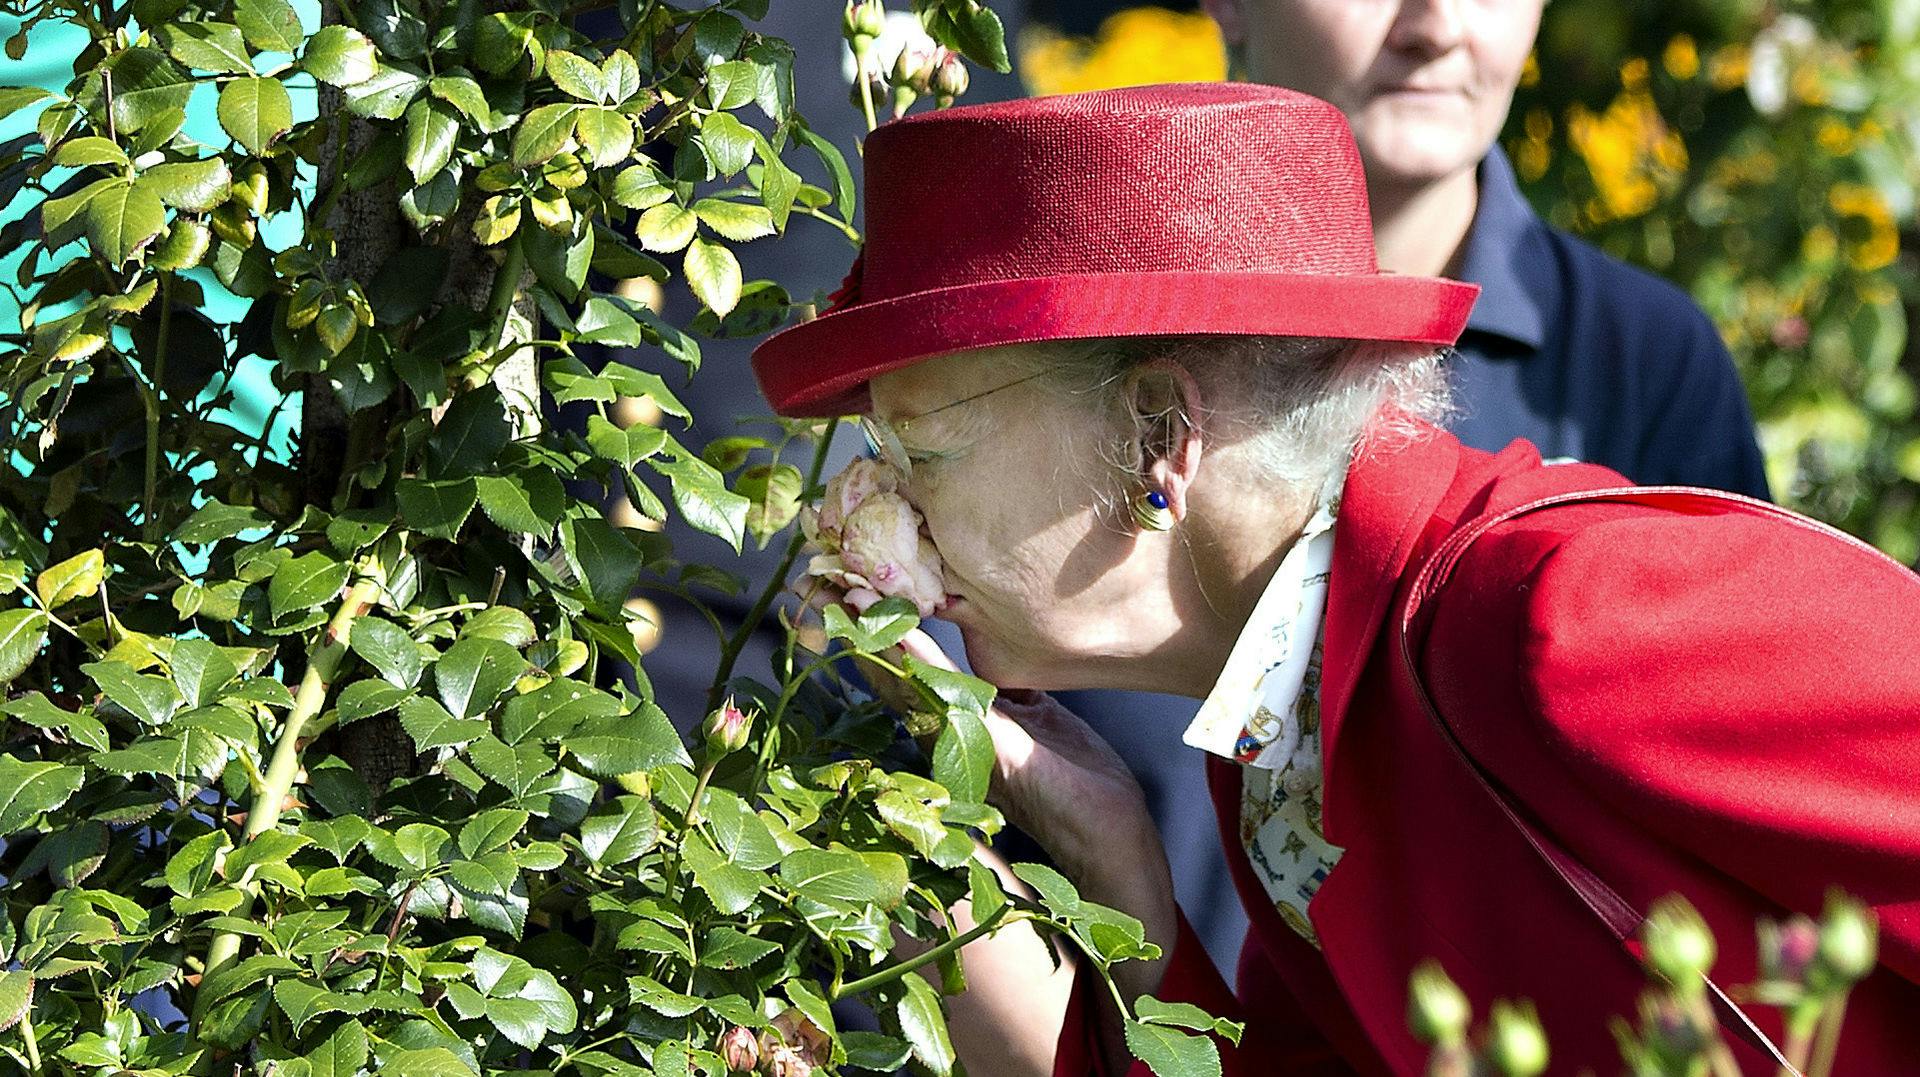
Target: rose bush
(344, 760)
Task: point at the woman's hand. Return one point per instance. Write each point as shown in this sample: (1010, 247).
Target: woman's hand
(1065, 786)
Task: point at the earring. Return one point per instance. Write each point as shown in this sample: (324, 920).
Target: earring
(1150, 511)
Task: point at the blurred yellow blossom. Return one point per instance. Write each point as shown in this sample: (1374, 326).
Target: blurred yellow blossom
(1629, 150)
(1728, 69)
(1135, 47)
(1881, 244)
(1681, 58)
(1834, 136)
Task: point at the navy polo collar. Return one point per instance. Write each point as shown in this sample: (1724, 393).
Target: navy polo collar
(1509, 257)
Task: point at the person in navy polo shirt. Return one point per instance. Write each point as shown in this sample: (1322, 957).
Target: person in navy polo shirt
(1588, 358)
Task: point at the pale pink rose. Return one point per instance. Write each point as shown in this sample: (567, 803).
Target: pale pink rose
(882, 544)
(806, 1039)
(786, 1062)
(862, 479)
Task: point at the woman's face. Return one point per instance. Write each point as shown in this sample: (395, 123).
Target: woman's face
(1425, 84)
(1049, 588)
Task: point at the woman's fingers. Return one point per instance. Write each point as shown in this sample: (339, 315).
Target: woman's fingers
(922, 648)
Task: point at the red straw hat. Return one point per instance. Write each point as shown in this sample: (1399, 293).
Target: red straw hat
(1196, 208)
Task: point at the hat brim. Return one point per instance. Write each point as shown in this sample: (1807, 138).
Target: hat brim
(821, 367)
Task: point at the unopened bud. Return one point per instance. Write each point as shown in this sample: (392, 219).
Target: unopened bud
(1679, 946)
(786, 1062)
(1849, 938)
(1787, 950)
(727, 729)
(740, 1049)
(1516, 1046)
(949, 78)
(1437, 1010)
(861, 23)
(914, 67)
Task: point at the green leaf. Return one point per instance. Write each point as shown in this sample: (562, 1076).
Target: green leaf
(576, 76)
(208, 46)
(22, 634)
(963, 756)
(437, 509)
(1152, 1011)
(425, 1062)
(602, 557)
(728, 142)
(464, 94)
(29, 788)
(504, 623)
(342, 1054)
(561, 258)
(543, 133)
(974, 31)
(701, 495)
(147, 85)
(270, 25)
(641, 186)
(76, 577)
(364, 699)
(153, 700)
(200, 669)
(1170, 1053)
(305, 582)
(473, 673)
(528, 502)
(89, 150)
(432, 131)
(607, 135)
(471, 434)
(773, 491)
(340, 55)
(195, 186)
(619, 744)
(255, 111)
(727, 948)
(876, 1051)
(924, 1023)
(215, 520)
(124, 218)
(625, 447)
(386, 94)
(16, 997)
(515, 769)
(15, 98)
(836, 163)
(388, 648)
(732, 84)
(729, 886)
(432, 727)
(666, 228)
(490, 830)
(619, 831)
(841, 875)
(737, 221)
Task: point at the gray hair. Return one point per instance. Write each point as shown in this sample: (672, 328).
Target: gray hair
(1301, 405)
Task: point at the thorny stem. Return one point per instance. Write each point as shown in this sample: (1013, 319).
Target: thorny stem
(322, 666)
(895, 971)
(152, 401)
(774, 586)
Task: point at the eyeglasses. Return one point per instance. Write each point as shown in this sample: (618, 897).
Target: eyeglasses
(883, 436)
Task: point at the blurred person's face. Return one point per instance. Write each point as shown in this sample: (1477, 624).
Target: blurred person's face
(1425, 84)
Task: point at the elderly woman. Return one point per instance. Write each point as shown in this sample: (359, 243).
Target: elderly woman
(1129, 354)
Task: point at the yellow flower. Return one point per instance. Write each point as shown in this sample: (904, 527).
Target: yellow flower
(1881, 245)
(1835, 137)
(1681, 58)
(1530, 74)
(1134, 47)
(1633, 73)
(1728, 68)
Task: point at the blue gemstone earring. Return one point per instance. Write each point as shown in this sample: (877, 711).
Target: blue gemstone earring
(1150, 511)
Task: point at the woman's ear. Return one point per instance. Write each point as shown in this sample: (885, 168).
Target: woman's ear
(1166, 399)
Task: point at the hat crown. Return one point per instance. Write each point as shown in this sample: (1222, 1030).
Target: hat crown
(1212, 177)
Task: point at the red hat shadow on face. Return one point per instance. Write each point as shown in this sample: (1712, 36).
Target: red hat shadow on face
(1197, 208)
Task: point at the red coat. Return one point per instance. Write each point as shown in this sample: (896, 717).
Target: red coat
(1722, 706)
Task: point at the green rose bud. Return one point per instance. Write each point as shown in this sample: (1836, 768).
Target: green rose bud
(727, 729)
(1516, 1046)
(1437, 1010)
(1849, 938)
(1679, 946)
(949, 78)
